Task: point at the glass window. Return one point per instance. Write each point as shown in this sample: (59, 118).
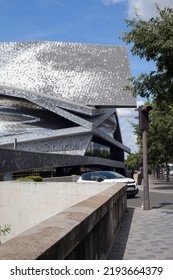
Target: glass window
(98, 150)
(111, 175)
(91, 176)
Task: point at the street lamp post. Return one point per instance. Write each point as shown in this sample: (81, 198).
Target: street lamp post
(146, 199)
(143, 126)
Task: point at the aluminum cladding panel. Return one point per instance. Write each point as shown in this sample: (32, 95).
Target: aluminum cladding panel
(82, 73)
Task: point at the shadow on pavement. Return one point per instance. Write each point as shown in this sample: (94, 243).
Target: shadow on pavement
(160, 184)
(119, 246)
(164, 187)
(162, 204)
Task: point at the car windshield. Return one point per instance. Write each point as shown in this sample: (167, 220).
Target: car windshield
(91, 176)
(110, 175)
(94, 176)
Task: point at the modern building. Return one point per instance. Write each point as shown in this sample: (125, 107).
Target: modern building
(58, 106)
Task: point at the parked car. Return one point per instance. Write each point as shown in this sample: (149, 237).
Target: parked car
(170, 172)
(110, 176)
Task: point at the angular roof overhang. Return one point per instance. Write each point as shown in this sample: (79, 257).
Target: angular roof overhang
(84, 74)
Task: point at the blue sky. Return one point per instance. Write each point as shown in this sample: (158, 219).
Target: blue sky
(82, 21)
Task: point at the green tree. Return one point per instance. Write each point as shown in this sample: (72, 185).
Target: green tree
(134, 161)
(153, 40)
(160, 135)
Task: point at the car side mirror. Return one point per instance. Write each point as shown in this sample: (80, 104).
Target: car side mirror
(99, 179)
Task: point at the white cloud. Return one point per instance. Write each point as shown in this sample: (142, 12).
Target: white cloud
(109, 2)
(126, 112)
(140, 102)
(127, 132)
(126, 117)
(145, 8)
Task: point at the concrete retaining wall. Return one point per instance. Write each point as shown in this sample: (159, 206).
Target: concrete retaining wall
(86, 230)
(72, 178)
(25, 204)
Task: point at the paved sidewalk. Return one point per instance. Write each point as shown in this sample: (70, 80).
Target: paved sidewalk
(160, 185)
(146, 234)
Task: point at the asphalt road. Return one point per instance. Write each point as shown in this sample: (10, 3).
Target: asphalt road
(157, 200)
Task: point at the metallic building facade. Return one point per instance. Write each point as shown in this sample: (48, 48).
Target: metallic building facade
(59, 100)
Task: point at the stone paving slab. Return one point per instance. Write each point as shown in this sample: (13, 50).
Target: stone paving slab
(145, 235)
(160, 185)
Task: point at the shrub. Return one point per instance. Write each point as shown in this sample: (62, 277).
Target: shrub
(4, 231)
(32, 178)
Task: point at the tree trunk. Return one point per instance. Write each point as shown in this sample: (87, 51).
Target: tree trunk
(157, 171)
(167, 172)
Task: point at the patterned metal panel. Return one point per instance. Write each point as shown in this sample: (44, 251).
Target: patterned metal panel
(70, 145)
(81, 73)
(13, 161)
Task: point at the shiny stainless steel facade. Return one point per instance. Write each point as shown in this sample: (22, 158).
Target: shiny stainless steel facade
(57, 98)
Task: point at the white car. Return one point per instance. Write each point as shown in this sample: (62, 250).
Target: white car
(110, 176)
(170, 172)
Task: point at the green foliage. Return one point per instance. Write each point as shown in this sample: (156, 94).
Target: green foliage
(160, 135)
(153, 40)
(134, 161)
(33, 178)
(5, 230)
